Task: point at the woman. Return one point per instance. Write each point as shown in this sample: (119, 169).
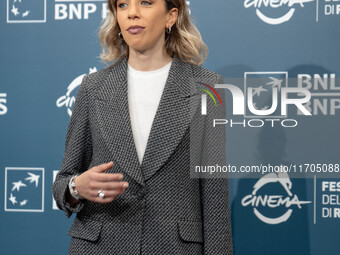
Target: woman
(126, 168)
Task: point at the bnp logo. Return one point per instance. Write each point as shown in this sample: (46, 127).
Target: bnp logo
(25, 11)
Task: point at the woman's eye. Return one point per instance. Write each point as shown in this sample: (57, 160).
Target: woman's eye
(122, 5)
(146, 3)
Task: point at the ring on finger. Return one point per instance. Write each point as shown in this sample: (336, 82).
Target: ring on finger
(101, 194)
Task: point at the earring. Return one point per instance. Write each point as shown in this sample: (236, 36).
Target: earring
(168, 30)
(120, 35)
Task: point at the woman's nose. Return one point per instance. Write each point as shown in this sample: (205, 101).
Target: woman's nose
(133, 10)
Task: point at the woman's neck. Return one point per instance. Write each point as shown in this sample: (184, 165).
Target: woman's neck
(148, 61)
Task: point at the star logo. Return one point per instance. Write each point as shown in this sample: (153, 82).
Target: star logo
(257, 91)
(275, 83)
(24, 189)
(13, 199)
(33, 178)
(263, 91)
(25, 11)
(17, 185)
(24, 202)
(14, 10)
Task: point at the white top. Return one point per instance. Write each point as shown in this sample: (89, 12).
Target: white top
(145, 89)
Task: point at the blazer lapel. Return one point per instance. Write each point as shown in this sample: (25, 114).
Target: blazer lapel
(112, 111)
(176, 109)
(178, 104)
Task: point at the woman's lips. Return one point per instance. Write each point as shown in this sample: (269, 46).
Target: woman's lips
(135, 30)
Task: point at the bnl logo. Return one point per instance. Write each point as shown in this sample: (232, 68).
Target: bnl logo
(266, 94)
(26, 11)
(24, 189)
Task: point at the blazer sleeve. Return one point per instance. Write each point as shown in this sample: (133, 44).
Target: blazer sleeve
(78, 150)
(214, 191)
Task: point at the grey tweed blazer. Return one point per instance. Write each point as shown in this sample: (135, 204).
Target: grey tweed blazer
(164, 210)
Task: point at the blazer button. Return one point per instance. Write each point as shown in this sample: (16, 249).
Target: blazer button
(140, 195)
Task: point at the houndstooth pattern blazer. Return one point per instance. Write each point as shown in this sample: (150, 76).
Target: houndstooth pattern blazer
(164, 210)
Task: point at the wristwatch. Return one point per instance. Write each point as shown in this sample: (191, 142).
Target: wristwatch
(73, 191)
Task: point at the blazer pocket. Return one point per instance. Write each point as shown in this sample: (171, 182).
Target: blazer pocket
(86, 229)
(190, 231)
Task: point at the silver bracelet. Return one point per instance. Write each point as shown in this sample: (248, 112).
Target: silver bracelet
(72, 188)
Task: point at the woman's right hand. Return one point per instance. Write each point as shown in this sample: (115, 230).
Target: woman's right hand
(91, 181)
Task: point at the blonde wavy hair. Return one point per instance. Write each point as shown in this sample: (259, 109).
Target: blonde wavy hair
(184, 40)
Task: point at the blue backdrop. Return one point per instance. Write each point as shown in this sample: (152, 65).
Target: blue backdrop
(48, 46)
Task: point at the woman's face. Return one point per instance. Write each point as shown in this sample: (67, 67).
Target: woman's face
(143, 23)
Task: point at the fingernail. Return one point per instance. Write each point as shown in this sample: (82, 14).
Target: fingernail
(125, 185)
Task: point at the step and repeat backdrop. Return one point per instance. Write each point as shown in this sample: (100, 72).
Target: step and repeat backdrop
(281, 61)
